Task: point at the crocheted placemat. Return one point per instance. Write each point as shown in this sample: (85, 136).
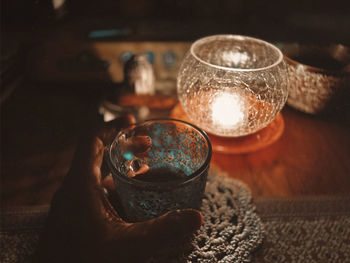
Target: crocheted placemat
(231, 231)
(313, 229)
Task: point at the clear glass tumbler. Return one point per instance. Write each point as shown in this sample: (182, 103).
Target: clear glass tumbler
(158, 166)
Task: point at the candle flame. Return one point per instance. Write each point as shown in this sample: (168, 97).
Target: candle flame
(227, 110)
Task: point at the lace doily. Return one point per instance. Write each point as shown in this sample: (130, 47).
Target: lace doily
(231, 230)
(230, 233)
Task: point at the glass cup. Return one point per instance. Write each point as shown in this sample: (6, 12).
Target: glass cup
(157, 166)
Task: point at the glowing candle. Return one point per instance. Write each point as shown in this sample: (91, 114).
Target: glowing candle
(231, 85)
(227, 110)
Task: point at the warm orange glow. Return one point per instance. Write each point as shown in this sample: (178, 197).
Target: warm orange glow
(227, 110)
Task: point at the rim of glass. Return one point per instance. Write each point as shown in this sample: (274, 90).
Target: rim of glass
(238, 37)
(158, 185)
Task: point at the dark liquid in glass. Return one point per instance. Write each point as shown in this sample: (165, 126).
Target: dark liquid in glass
(163, 174)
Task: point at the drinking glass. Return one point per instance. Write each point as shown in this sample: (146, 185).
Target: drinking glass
(158, 166)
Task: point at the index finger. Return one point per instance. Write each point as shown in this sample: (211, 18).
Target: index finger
(107, 132)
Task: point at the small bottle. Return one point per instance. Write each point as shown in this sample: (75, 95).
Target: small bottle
(139, 76)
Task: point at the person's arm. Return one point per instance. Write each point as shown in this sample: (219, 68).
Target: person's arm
(82, 225)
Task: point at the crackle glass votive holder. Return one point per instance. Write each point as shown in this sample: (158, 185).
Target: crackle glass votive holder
(232, 85)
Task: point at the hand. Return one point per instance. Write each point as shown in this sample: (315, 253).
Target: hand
(82, 226)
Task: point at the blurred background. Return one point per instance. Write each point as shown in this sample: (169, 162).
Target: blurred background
(82, 41)
(180, 19)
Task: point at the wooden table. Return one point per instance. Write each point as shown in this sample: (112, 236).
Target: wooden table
(312, 157)
(41, 125)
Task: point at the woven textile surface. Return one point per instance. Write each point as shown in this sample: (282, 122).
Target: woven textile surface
(231, 231)
(313, 229)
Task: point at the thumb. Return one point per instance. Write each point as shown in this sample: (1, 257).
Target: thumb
(171, 228)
